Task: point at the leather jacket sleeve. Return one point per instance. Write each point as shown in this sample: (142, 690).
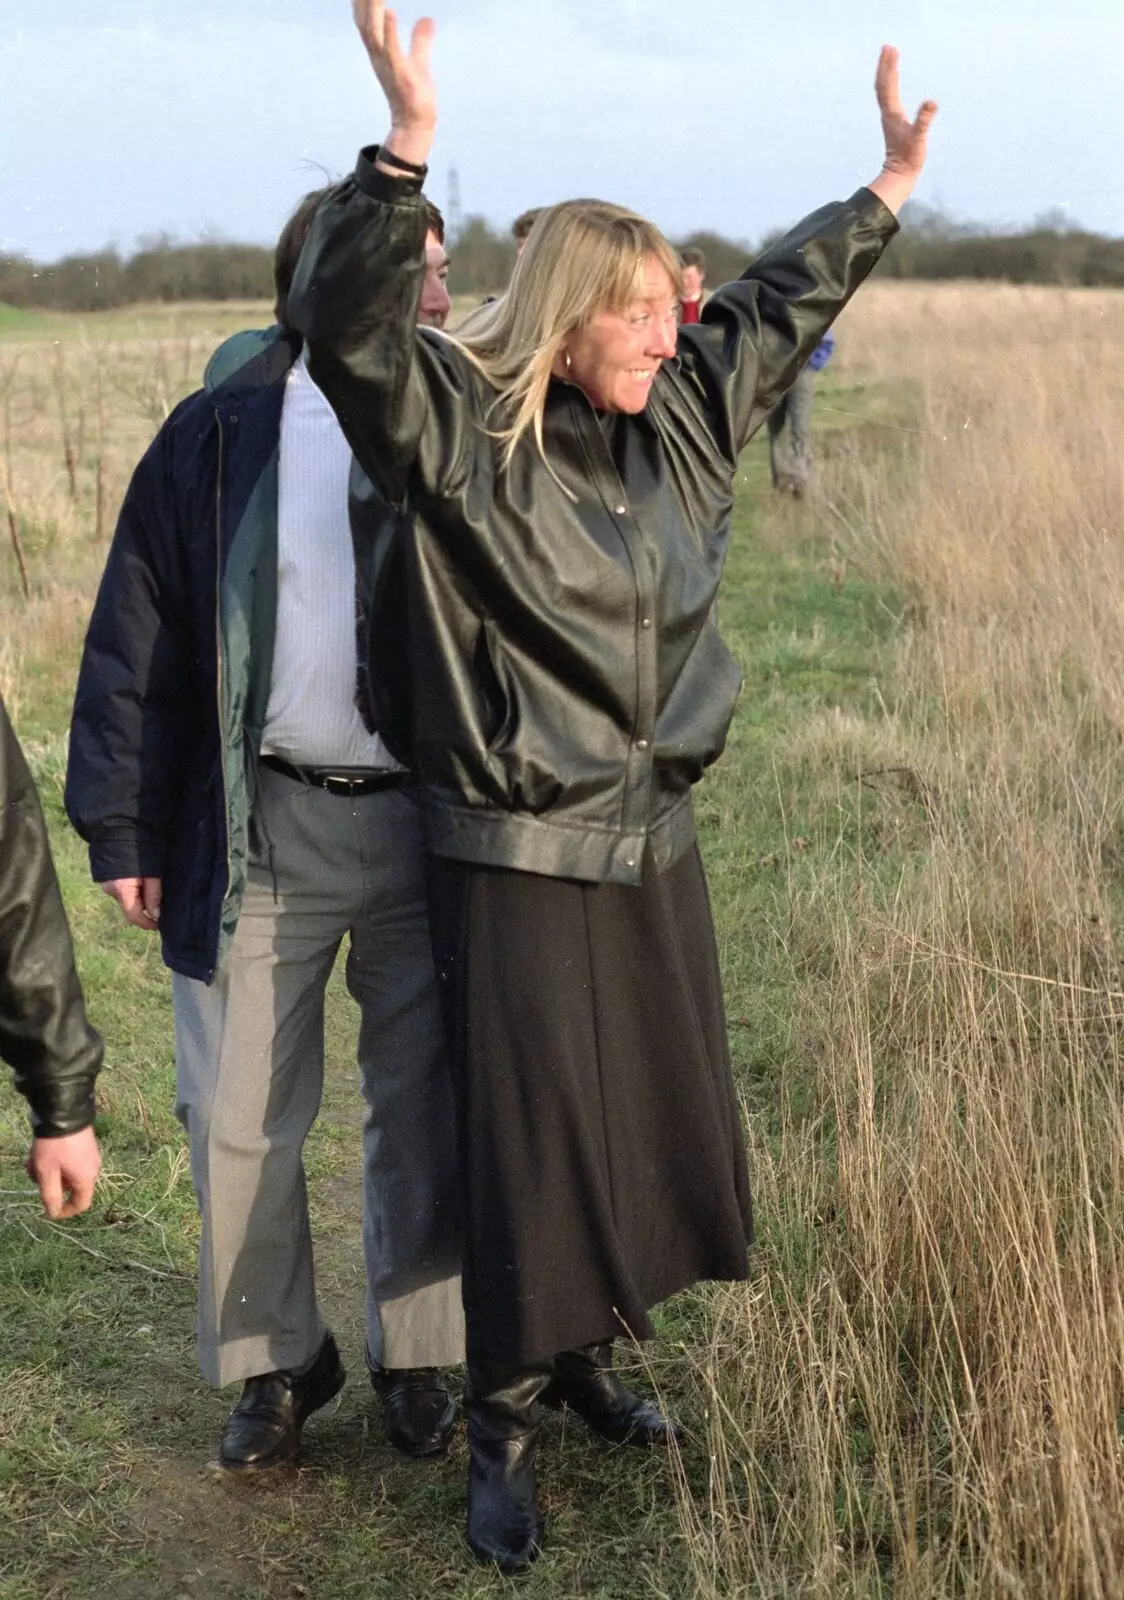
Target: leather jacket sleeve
(398, 391)
(44, 1033)
(757, 334)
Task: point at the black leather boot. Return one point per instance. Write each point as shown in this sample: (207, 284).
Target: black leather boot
(501, 1404)
(264, 1428)
(585, 1381)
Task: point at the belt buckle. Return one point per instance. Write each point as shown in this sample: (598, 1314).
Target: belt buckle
(339, 783)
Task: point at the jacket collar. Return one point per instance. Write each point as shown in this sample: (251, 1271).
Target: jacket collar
(249, 362)
(245, 386)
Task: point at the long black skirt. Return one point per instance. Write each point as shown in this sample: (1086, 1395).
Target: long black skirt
(603, 1157)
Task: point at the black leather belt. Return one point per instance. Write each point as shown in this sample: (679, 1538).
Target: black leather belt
(332, 779)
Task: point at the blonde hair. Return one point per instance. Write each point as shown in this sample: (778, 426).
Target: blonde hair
(582, 257)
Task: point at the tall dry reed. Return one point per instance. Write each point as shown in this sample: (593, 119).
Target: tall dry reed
(76, 414)
(921, 1391)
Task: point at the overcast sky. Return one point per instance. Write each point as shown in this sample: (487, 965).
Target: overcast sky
(125, 118)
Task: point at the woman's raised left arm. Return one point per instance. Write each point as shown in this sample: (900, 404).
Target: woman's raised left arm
(757, 333)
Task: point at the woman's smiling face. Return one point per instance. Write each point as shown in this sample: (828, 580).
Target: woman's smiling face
(615, 356)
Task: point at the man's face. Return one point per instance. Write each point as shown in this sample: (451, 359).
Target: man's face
(435, 302)
(693, 280)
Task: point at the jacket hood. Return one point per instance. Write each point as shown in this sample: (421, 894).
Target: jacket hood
(251, 359)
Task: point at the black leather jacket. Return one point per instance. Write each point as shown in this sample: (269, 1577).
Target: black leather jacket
(569, 683)
(44, 1033)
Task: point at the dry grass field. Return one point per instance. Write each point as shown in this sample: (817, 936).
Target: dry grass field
(80, 398)
(916, 848)
(926, 1379)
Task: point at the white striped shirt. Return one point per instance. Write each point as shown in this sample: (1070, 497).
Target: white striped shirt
(311, 718)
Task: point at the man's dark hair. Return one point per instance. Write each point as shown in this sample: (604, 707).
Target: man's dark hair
(435, 222)
(693, 258)
(525, 221)
(293, 235)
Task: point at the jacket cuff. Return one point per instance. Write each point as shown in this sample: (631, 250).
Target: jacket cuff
(67, 1110)
(875, 211)
(379, 185)
(125, 858)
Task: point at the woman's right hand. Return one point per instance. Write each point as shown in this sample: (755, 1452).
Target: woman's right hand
(405, 76)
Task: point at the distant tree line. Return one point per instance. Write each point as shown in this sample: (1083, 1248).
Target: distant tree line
(1051, 251)
(481, 259)
(161, 271)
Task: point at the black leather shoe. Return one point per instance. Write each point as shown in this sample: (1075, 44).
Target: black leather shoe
(504, 1524)
(264, 1428)
(417, 1407)
(585, 1381)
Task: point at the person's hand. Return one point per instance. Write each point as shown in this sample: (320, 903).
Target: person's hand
(139, 899)
(405, 76)
(906, 142)
(66, 1171)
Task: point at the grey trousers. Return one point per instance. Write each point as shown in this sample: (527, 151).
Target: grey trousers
(790, 435)
(250, 1068)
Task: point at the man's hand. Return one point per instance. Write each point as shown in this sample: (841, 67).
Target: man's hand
(906, 141)
(405, 77)
(139, 899)
(66, 1171)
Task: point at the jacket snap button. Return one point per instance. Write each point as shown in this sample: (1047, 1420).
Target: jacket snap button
(620, 510)
(642, 744)
(645, 622)
(631, 862)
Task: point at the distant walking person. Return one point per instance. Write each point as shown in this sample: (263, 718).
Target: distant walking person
(790, 427)
(229, 787)
(44, 1033)
(692, 269)
(521, 227)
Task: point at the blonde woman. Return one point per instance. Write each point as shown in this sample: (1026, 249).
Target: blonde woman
(570, 471)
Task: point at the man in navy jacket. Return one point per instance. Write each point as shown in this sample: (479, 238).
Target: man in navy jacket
(235, 799)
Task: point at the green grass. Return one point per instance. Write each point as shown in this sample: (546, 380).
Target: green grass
(106, 1428)
(131, 322)
(13, 319)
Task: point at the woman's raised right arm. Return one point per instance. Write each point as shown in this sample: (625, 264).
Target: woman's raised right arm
(355, 294)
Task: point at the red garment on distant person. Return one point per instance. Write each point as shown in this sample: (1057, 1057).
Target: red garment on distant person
(689, 310)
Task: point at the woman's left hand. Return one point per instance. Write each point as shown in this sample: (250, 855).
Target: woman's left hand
(906, 141)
